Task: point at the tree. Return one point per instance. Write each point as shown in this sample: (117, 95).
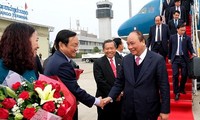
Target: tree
(96, 49)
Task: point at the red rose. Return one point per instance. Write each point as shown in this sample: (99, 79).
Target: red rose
(57, 87)
(24, 95)
(66, 104)
(49, 106)
(61, 111)
(28, 113)
(40, 84)
(56, 95)
(4, 113)
(16, 85)
(8, 103)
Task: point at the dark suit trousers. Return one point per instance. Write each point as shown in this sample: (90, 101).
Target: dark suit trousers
(111, 111)
(179, 63)
(157, 47)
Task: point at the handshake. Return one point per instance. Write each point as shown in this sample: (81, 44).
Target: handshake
(102, 102)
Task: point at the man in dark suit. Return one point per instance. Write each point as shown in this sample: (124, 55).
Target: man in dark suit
(105, 74)
(167, 4)
(175, 22)
(144, 81)
(66, 43)
(179, 45)
(119, 46)
(158, 37)
(180, 8)
(187, 4)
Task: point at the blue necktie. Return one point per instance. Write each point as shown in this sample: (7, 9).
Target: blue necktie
(176, 23)
(180, 46)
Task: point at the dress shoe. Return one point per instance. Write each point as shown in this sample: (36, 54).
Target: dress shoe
(177, 96)
(182, 92)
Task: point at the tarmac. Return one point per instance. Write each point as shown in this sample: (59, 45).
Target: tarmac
(87, 82)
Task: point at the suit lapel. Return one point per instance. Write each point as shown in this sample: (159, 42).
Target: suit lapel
(130, 66)
(107, 66)
(118, 64)
(146, 63)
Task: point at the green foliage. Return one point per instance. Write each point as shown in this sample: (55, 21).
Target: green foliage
(96, 49)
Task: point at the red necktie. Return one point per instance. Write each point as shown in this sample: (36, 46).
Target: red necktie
(137, 60)
(113, 67)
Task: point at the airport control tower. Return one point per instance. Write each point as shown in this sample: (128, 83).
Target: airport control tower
(104, 14)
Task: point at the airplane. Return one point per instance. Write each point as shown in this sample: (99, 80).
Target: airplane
(145, 18)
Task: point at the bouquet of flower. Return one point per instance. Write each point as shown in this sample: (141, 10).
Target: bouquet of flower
(25, 99)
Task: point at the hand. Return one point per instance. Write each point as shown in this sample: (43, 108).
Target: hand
(194, 55)
(169, 61)
(119, 97)
(106, 101)
(164, 116)
(101, 103)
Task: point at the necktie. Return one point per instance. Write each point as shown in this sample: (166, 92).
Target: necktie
(176, 23)
(180, 46)
(158, 34)
(113, 67)
(137, 60)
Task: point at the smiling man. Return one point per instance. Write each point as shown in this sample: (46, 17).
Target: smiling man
(105, 71)
(67, 43)
(144, 81)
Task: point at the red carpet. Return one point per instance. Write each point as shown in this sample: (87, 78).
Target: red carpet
(181, 109)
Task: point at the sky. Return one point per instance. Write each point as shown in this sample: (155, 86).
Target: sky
(59, 13)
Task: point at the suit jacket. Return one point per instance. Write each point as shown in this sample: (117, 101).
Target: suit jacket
(183, 13)
(58, 65)
(186, 46)
(166, 8)
(187, 4)
(172, 27)
(142, 96)
(104, 75)
(105, 79)
(165, 33)
(118, 55)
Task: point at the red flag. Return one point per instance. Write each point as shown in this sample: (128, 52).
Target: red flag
(26, 6)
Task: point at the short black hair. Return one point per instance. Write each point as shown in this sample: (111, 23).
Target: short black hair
(177, 0)
(63, 36)
(180, 25)
(108, 41)
(176, 11)
(117, 41)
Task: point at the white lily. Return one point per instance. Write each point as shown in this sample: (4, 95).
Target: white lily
(46, 94)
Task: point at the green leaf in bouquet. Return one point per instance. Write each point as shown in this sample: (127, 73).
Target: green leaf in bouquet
(10, 92)
(2, 96)
(30, 86)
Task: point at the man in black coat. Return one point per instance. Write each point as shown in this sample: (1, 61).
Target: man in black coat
(158, 37)
(105, 77)
(179, 46)
(174, 22)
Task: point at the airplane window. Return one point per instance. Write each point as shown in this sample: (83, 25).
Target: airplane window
(143, 11)
(149, 9)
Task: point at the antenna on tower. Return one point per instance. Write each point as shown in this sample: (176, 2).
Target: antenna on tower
(77, 24)
(130, 9)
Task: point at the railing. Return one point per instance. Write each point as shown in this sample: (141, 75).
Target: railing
(195, 38)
